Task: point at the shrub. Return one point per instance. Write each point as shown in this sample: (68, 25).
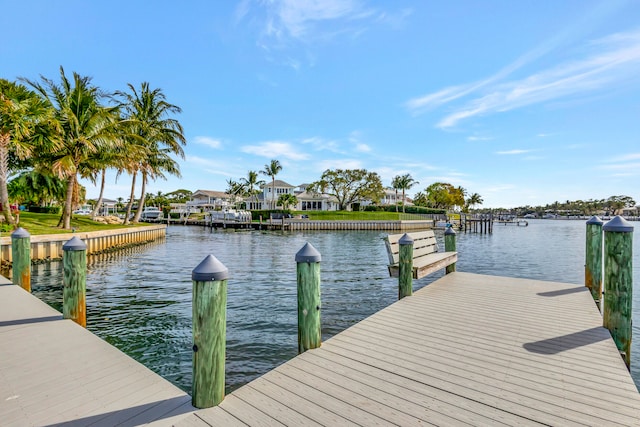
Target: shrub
(46, 209)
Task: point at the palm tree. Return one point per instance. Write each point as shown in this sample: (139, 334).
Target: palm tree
(271, 170)
(405, 182)
(395, 184)
(83, 127)
(250, 183)
(474, 199)
(37, 187)
(107, 157)
(21, 112)
(234, 188)
(161, 136)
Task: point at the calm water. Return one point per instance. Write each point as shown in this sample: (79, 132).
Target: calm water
(140, 299)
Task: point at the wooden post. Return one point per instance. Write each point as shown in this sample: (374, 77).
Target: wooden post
(593, 259)
(74, 281)
(405, 266)
(209, 309)
(21, 254)
(309, 303)
(618, 283)
(450, 246)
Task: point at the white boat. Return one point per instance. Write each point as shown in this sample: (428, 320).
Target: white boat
(231, 215)
(151, 212)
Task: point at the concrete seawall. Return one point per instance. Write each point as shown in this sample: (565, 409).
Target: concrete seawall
(358, 225)
(48, 247)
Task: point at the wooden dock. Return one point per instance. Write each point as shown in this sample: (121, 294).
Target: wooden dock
(467, 349)
(54, 372)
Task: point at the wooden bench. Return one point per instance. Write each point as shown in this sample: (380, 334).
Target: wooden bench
(426, 258)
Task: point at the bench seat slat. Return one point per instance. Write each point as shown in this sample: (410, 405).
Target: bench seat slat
(426, 258)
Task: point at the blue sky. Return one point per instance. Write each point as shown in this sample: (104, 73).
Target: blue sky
(523, 102)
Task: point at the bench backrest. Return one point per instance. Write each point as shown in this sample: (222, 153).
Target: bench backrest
(424, 243)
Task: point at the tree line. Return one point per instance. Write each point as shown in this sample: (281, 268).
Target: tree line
(52, 133)
(351, 186)
(613, 205)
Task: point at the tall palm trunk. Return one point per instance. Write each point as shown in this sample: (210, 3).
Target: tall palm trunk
(130, 204)
(136, 218)
(99, 202)
(273, 193)
(403, 199)
(68, 203)
(4, 177)
(396, 201)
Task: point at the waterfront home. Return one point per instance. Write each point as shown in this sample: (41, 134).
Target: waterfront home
(207, 200)
(392, 198)
(309, 201)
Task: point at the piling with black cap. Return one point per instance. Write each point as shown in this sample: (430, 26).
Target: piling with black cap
(209, 301)
(74, 281)
(309, 305)
(405, 266)
(593, 259)
(21, 255)
(450, 246)
(618, 283)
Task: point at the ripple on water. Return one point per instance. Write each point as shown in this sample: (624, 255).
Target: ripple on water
(140, 299)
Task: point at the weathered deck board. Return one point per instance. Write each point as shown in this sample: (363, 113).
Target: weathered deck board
(53, 371)
(466, 350)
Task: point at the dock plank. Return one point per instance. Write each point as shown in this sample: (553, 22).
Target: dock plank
(54, 372)
(467, 350)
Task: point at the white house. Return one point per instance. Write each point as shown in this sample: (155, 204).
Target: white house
(207, 200)
(391, 199)
(272, 190)
(309, 201)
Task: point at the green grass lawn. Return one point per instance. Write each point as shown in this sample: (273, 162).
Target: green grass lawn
(356, 216)
(40, 223)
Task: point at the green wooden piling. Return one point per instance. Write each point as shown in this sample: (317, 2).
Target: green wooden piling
(74, 281)
(405, 266)
(309, 303)
(593, 259)
(450, 246)
(618, 283)
(21, 254)
(209, 307)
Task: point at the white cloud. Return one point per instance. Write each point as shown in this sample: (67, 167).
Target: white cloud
(478, 138)
(208, 141)
(297, 18)
(612, 60)
(362, 148)
(321, 144)
(339, 164)
(626, 157)
(359, 146)
(215, 166)
(512, 152)
(274, 150)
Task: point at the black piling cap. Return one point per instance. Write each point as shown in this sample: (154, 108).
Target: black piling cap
(210, 270)
(20, 233)
(594, 220)
(74, 244)
(405, 240)
(618, 224)
(308, 254)
(449, 231)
